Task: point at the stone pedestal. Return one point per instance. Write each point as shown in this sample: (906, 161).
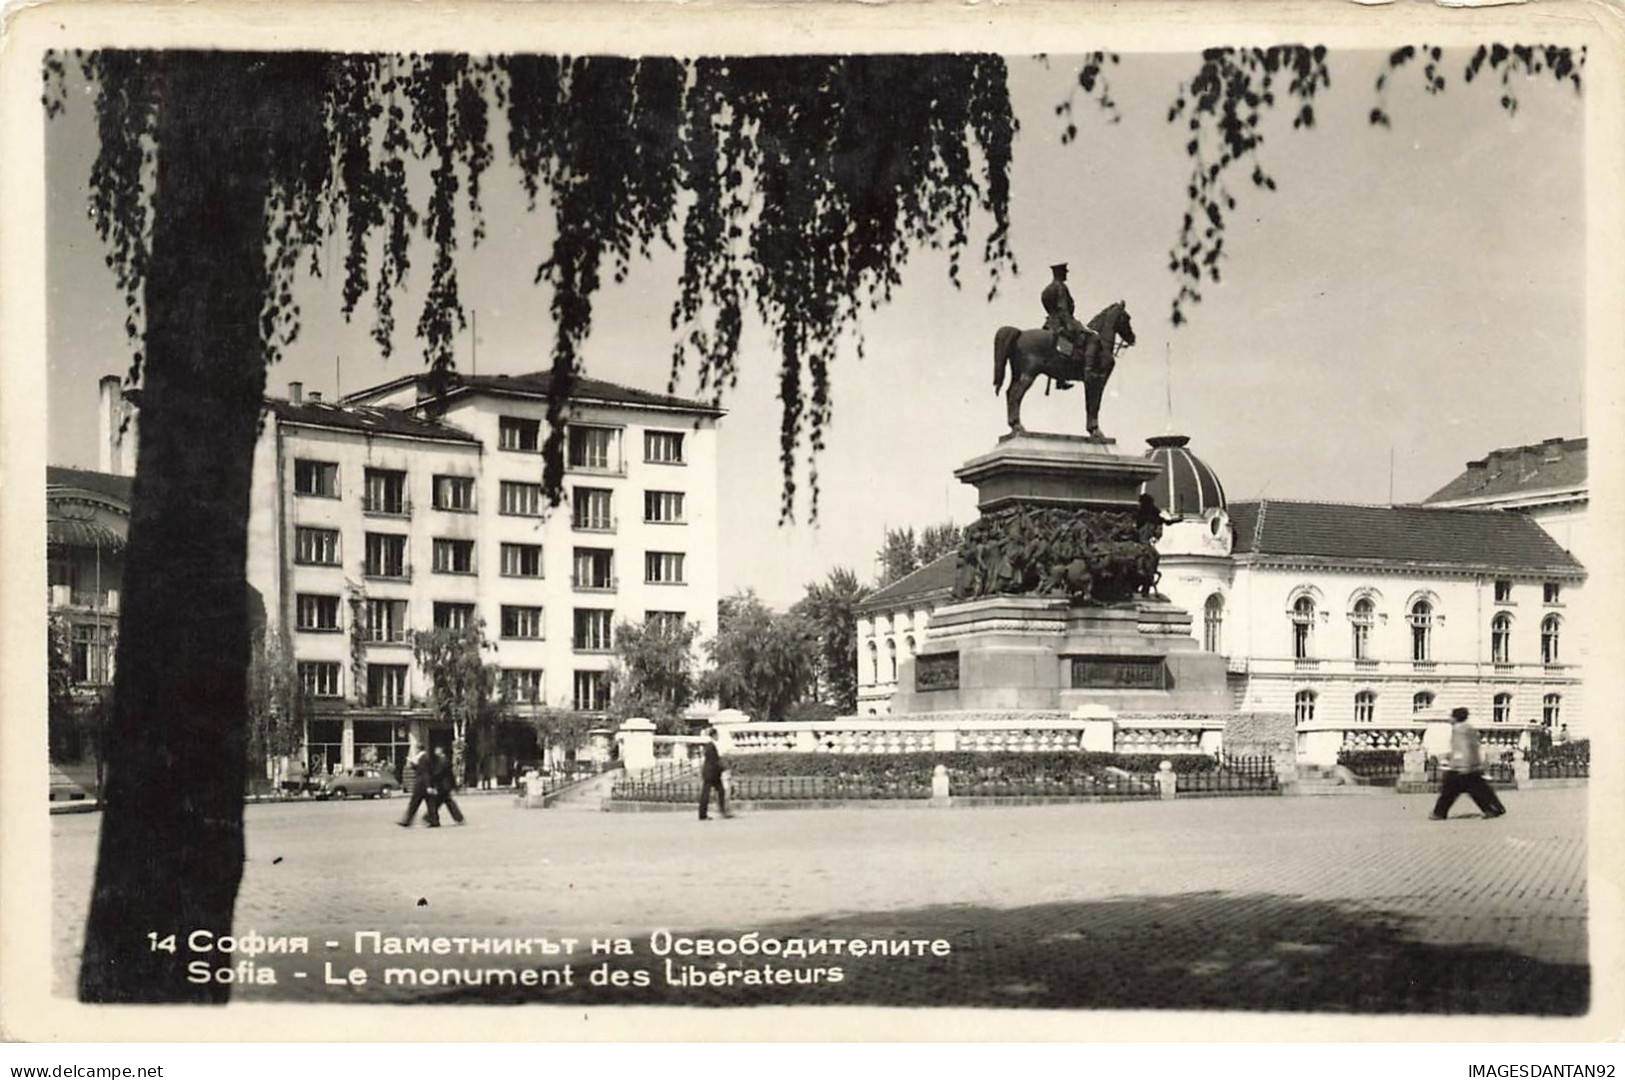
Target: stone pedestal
(1038, 468)
(637, 739)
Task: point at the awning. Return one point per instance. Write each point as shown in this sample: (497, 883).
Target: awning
(67, 532)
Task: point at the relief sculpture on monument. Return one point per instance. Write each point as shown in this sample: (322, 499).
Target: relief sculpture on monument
(1088, 556)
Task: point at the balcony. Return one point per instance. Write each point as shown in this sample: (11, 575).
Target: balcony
(1426, 667)
(1367, 665)
(594, 468)
(594, 524)
(387, 572)
(395, 638)
(1305, 663)
(374, 506)
(592, 583)
(64, 596)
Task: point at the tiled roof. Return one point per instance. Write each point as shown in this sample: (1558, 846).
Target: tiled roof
(936, 576)
(109, 484)
(1518, 470)
(375, 419)
(586, 389)
(1500, 539)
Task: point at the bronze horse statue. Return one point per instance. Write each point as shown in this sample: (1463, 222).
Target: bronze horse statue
(1031, 353)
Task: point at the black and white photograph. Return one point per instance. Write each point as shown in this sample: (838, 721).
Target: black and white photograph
(1001, 519)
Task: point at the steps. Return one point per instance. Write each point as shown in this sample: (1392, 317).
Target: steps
(1330, 780)
(587, 796)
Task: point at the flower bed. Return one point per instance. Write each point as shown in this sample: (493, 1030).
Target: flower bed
(985, 766)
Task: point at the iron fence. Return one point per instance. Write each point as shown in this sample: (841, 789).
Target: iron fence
(1560, 770)
(1228, 781)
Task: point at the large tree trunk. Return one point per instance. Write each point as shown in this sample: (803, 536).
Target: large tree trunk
(171, 850)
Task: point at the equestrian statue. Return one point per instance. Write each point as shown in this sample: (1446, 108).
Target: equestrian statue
(1063, 349)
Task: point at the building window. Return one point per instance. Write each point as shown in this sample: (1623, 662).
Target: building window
(1421, 631)
(591, 691)
(1303, 706)
(663, 567)
(451, 616)
(521, 622)
(324, 740)
(522, 560)
(591, 447)
(1503, 591)
(874, 663)
(1361, 618)
(316, 547)
(891, 656)
(592, 630)
(90, 654)
(382, 743)
(386, 621)
(385, 493)
(1303, 628)
(663, 447)
(522, 685)
(1550, 629)
(663, 507)
(319, 678)
(1552, 592)
(1365, 706)
(594, 569)
(316, 612)
(1213, 624)
(1501, 638)
(517, 433)
(908, 645)
(521, 499)
(454, 493)
(1421, 701)
(386, 685)
(592, 509)
(319, 478)
(666, 623)
(1501, 708)
(453, 556)
(386, 556)
(1551, 711)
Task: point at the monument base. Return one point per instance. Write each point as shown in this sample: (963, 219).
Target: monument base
(1025, 652)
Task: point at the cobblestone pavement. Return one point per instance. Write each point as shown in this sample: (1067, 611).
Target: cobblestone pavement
(1304, 904)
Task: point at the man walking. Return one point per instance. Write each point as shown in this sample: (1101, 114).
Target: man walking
(421, 768)
(443, 779)
(1465, 772)
(711, 777)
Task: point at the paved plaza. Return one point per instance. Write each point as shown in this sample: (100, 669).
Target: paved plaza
(1353, 904)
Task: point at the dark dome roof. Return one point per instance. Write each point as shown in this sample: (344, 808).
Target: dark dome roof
(1186, 486)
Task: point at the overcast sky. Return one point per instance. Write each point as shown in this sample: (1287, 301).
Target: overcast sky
(1416, 291)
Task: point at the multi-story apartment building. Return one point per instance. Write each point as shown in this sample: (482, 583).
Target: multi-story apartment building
(394, 510)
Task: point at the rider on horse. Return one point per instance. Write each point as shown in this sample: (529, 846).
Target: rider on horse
(1059, 318)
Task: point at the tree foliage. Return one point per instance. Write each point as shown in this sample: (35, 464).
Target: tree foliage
(462, 686)
(277, 703)
(902, 552)
(762, 662)
(799, 187)
(830, 609)
(653, 675)
(1223, 105)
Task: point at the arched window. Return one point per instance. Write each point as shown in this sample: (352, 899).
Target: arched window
(1422, 701)
(874, 663)
(1361, 618)
(1550, 628)
(909, 644)
(1303, 627)
(1551, 710)
(1303, 706)
(1421, 631)
(1365, 706)
(1501, 711)
(1501, 638)
(1213, 624)
(891, 653)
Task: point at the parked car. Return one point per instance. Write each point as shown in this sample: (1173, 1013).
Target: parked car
(364, 780)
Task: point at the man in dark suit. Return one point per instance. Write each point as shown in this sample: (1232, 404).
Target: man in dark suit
(422, 765)
(443, 780)
(711, 777)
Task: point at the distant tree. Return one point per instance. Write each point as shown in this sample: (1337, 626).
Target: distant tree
(937, 541)
(562, 731)
(899, 556)
(62, 719)
(762, 662)
(462, 687)
(277, 704)
(830, 608)
(653, 674)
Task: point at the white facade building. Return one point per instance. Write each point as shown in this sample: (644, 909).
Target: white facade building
(1337, 613)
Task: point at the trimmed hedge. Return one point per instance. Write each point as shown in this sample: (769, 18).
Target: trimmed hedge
(1379, 762)
(1569, 753)
(882, 769)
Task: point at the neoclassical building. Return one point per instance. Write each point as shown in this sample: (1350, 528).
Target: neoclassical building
(1337, 613)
